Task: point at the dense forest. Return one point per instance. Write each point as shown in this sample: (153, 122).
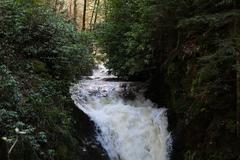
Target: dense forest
(40, 55)
(187, 51)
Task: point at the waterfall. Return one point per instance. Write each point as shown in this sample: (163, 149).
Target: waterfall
(128, 129)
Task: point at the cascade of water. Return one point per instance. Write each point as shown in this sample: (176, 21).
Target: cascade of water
(128, 129)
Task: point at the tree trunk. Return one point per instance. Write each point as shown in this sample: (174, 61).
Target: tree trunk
(96, 13)
(94, 8)
(70, 9)
(84, 15)
(105, 8)
(75, 12)
(55, 5)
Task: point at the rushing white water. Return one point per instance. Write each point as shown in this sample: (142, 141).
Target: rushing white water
(128, 129)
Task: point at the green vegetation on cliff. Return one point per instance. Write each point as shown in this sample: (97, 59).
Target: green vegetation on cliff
(40, 55)
(189, 49)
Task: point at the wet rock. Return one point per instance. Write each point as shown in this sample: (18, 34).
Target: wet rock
(86, 134)
(129, 95)
(172, 119)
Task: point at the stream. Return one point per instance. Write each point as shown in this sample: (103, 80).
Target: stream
(128, 126)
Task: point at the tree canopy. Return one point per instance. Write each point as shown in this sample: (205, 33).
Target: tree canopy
(40, 55)
(189, 52)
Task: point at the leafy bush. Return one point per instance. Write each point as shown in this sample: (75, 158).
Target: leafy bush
(10, 94)
(189, 52)
(40, 55)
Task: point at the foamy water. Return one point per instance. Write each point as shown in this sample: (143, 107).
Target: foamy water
(127, 129)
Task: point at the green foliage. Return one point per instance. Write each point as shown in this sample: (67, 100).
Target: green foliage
(39, 34)
(129, 36)
(9, 88)
(40, 55)
(188, 50)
